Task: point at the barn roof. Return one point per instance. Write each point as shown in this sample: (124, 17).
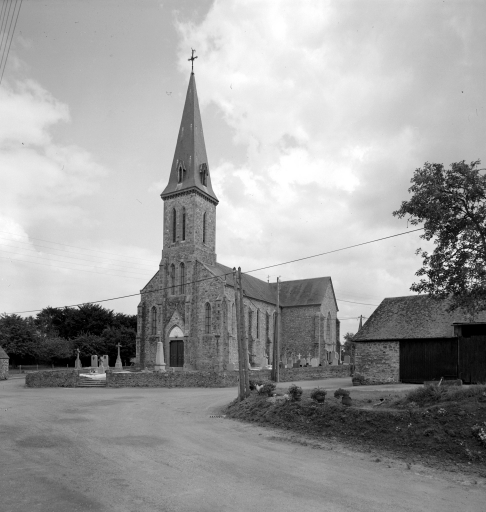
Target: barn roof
(412, 317)
(3, 354)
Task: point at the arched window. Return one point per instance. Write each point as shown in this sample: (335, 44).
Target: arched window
(172, 279)
(182, 278)
(233, 319)
(258, 325)
(267, 326)
(174, 225)
(207, 319)
(250, 321)
(204, 227)
(183, 223)
(154, 321)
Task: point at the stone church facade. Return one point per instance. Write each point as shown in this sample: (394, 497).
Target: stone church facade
(189, 304)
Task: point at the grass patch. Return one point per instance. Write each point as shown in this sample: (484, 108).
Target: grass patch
(428, 423)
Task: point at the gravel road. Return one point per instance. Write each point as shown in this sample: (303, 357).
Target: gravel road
(159, 450)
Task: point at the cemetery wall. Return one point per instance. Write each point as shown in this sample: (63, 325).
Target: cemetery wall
(378, 362)
(3, 369)
(52, 379)
(210, 379)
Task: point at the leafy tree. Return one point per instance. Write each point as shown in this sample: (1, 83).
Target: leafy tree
(126, 337)
(348, 347)
(18, 338)
(55, 350)
(451, 203)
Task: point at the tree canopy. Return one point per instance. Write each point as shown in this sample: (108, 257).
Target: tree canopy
(451, 204)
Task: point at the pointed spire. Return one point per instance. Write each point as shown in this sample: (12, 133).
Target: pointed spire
(190, 167)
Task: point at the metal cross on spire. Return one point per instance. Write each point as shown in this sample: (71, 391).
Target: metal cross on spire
(192, 59)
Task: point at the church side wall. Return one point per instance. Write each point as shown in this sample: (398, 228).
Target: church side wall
(298, 334)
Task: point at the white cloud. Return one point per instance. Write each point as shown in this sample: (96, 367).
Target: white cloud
(337, 104)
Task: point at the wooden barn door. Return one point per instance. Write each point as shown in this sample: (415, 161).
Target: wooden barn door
(472, 359)
(177, 353)
(422, 360)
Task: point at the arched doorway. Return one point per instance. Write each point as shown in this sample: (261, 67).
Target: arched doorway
(176, 350)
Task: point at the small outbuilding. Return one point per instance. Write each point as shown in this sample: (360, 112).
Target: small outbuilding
(4, 360)
(415, 339)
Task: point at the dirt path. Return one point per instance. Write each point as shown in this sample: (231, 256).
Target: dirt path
(157, 449)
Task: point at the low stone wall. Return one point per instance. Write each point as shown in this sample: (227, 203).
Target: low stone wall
(3, 369)
(378, 361)
(52, 379)
(202, 379)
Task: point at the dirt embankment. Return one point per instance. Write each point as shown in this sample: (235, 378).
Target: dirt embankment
(445, 426)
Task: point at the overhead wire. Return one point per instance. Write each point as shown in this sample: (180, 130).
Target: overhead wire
(227, 273)
(106, 261)
(69, 262)
(76, 247)
(11, 37)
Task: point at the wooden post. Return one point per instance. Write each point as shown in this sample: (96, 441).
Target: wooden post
(244, 338)
(241, 374)
(277, 369)
(142, 338)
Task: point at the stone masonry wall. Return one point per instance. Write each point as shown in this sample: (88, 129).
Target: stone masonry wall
(298, 331)
(52, 379)
(218, 379)
(3, 369)
(378, 362)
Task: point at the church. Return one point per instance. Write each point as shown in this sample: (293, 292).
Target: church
(189, 304)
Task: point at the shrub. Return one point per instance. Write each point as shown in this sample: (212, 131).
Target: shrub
(253, 384)
(267, 389)
(341, 392)
(358, 380)
(295, 392)
(432, 394)
(318, 394)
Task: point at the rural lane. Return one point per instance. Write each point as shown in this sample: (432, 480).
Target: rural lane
(158, 450)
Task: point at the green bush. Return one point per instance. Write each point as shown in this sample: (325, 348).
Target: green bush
(267, 389)
(358, 380)
(432, 394)
(318, 394)
(295, 392)
(341, 392)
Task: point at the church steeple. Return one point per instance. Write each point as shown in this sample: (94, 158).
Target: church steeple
(190, 169)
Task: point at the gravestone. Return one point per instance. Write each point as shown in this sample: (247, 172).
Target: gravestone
(296, 365)
(334, 358)
(105, 361)
(347, 360)
(314, 362)
(94, 361)
(290, 362)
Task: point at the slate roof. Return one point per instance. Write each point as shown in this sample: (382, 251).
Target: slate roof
(3, 354)
(301, 292)
(190, 150)
(412, 317)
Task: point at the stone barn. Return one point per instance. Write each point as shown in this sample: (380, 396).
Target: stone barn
(4, 359)
(415, 339)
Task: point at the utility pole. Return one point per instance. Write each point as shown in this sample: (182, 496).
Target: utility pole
(241, 373)
(276, 339)
(243, 337)
(277, 369)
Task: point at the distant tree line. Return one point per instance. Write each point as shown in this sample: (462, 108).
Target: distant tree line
(53, 336)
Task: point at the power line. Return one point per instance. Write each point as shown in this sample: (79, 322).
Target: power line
(66, 268)
(227, 273)
(11, 37)
(75, 247)
(352, 302)
(69, 263)
(72, 256)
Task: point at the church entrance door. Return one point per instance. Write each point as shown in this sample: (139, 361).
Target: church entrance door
(177, 353)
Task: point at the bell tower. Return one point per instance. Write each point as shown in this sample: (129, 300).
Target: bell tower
(189, 199)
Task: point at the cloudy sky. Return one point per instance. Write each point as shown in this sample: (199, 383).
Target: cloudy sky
(315, 116)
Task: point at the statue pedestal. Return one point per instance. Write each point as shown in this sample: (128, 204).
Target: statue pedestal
(118, 363)
(159, 367)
